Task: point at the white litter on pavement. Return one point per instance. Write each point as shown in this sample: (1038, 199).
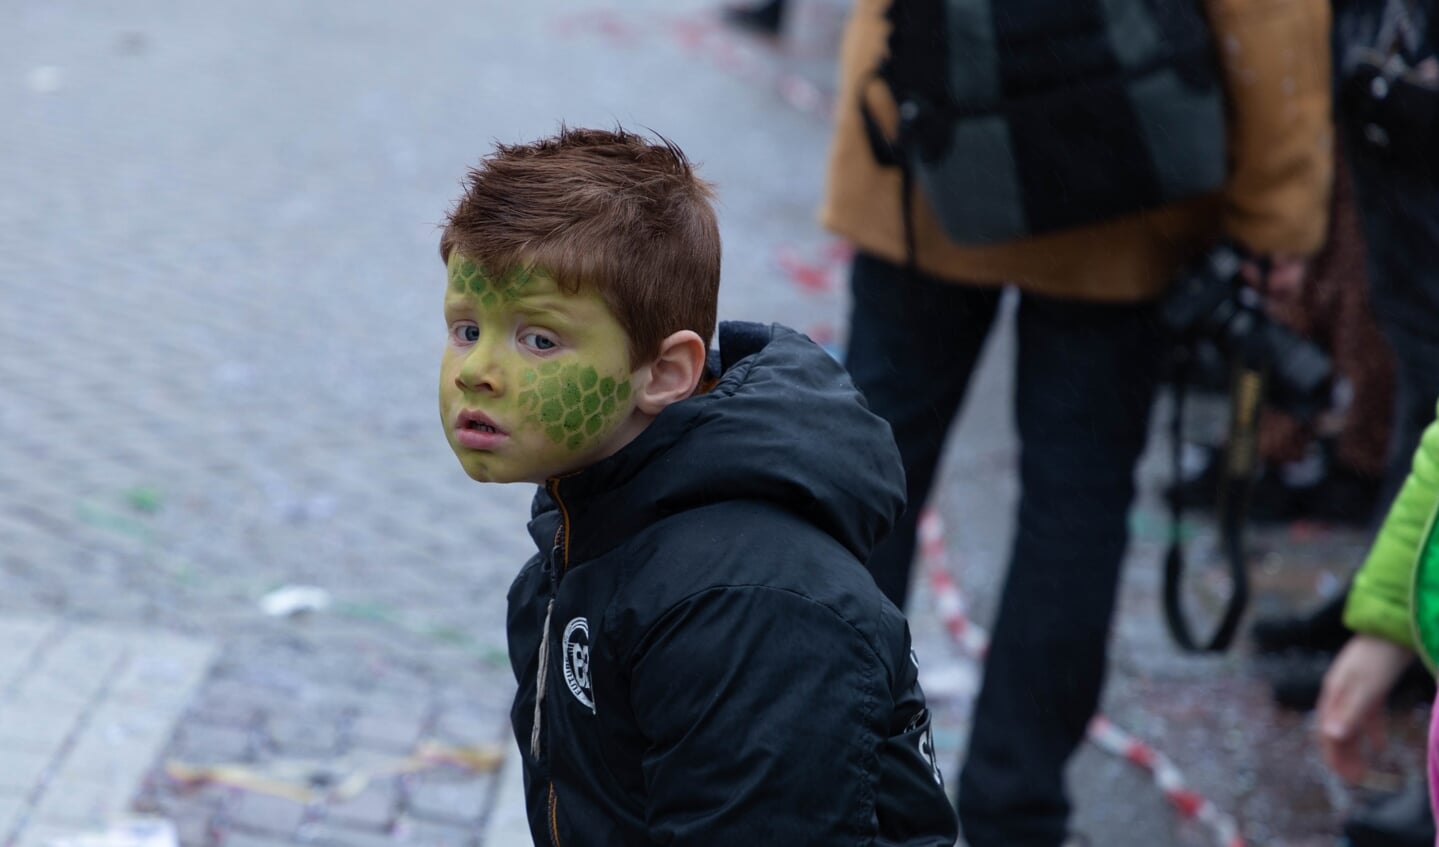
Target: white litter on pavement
(294, 599)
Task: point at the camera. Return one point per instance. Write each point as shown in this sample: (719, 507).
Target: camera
(1210, 304)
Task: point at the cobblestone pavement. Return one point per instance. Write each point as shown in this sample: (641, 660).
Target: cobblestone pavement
(219, 344)
(85, 710)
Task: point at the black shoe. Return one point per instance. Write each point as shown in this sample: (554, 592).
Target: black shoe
(764, 18)
(1272, 501)
(1344, 498)
(1399, 820)
(1320, 631)
(1296, 687)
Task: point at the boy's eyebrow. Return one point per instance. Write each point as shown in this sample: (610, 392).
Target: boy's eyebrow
(555, 309)
(534, 305)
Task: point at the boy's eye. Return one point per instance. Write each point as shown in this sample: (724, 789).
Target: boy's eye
(538, 341)
(466, 333)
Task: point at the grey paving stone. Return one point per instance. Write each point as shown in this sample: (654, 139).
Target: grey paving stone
(374, 808)
(340, 834)
(194, 831)
(34, 728)
(114, 768)
(82, 655)
(23, 769)
(81, 804)
(245, 839)
(507, 824)
(448, 801)
(423, 833)
(267, 814)
(65, 694)
(229, 701)
(43, 834)
(12, 807)
(467, 727)
(305, 736)
(389, 729)
(22, 640)
(207, 744)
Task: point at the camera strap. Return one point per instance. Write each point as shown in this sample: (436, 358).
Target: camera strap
(1240, 460)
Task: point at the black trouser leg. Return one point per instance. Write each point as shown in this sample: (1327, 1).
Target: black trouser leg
(913, 343)
(1086, 378)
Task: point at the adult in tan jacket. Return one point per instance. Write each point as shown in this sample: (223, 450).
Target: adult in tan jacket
(1087, 358)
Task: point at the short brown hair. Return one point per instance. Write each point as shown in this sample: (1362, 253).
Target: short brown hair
(609, 209)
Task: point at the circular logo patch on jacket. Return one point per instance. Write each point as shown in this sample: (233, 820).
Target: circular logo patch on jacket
(577, 661)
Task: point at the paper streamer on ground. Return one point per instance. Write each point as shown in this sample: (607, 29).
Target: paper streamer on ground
(973, 641)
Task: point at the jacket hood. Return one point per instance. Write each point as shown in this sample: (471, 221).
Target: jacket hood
(784, 424)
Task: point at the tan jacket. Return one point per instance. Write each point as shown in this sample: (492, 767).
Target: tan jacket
(1275, 57)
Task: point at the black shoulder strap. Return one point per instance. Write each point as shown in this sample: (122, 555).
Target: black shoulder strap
(1233, 507)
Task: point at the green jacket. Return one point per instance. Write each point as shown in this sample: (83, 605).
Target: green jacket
(1396, 593)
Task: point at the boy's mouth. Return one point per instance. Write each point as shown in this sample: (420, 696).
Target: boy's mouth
(473, 419)
(476, 429)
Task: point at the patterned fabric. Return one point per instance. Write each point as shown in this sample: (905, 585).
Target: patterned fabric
(1333, 310)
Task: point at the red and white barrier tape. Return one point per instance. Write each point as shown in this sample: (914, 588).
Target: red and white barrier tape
(973, 641)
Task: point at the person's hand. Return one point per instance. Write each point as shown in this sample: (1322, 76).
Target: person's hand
(1351, 720)
(1286, 278)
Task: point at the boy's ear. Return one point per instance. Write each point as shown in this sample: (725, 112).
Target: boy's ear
(672, 375)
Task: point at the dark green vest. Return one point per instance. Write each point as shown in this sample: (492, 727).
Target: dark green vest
(1020, 117)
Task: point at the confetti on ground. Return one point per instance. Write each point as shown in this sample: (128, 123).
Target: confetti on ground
(111, 521)
(290, 600)
(311, 782)
(144, 499)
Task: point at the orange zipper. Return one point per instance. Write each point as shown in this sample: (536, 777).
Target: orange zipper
(563, 533)
(554, 817)
(562, 540)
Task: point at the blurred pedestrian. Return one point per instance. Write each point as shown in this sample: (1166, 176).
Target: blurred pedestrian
(1388, 65)
(1387, 78)
(1394, 609)
(1088, 347)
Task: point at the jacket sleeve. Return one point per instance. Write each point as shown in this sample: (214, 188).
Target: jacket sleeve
(764, 712)
(1275, 56)
(1381, 601)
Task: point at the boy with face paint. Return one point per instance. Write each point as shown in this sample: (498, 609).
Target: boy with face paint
(701, 656)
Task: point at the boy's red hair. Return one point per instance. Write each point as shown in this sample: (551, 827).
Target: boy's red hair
(607, 209)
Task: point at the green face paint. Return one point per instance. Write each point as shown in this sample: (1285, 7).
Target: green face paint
(535, 381)
(468, 277)
(570, 403)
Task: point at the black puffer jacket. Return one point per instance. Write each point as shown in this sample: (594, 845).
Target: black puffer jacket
(719, 668)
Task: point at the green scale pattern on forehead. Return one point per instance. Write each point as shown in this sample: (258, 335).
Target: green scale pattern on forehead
(465, 275)
(572, 404)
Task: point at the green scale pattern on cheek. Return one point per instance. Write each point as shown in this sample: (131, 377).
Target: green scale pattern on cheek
(572, 404)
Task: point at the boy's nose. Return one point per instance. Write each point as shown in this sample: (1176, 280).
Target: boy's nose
(479, 372)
